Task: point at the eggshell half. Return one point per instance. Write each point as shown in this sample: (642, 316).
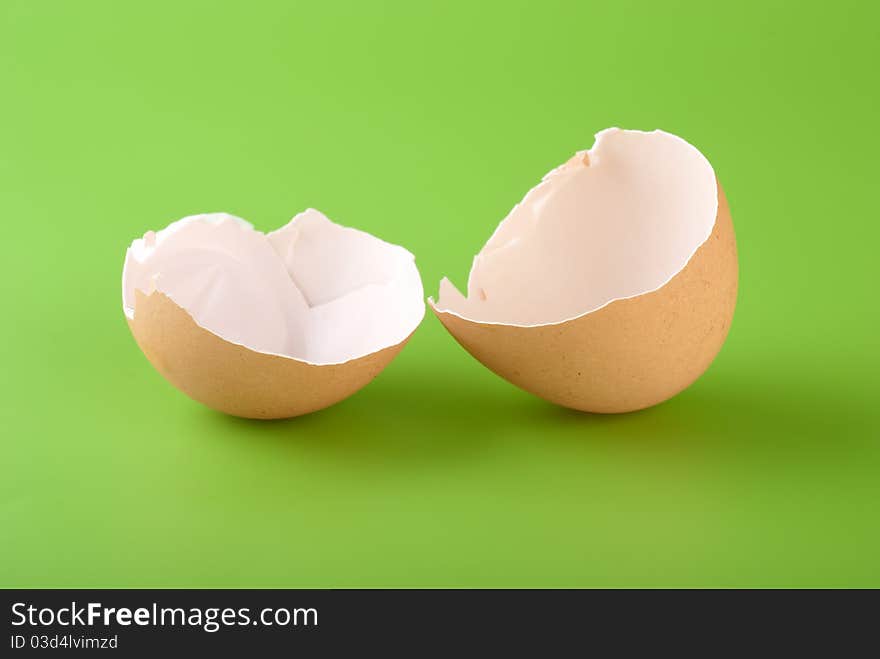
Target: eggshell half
(628, 354)
(236, 380)
(270, 325)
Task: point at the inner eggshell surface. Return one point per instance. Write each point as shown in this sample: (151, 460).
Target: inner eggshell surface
(614, 222)
(313, 290)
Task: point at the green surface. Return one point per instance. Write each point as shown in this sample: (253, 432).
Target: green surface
(424, 124)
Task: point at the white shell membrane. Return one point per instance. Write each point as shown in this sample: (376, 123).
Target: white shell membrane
(614, 222)
(312, 291)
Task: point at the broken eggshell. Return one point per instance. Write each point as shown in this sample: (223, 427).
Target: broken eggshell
(611, 287)
(269, 325)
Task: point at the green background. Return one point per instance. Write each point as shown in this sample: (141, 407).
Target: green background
(423, 124)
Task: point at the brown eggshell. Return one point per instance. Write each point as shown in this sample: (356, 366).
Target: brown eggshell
(630, 354)
(236, 380)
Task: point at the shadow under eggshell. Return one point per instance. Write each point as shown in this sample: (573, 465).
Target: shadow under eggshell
(233, 379)
(630, 354)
